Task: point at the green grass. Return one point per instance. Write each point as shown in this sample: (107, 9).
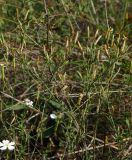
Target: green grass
(71, 58)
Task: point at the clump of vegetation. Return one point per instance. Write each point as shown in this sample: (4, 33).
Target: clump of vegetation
(65, 79)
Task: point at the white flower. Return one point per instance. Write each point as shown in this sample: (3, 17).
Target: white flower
(5, 144)
(28, 102)
(53, 116)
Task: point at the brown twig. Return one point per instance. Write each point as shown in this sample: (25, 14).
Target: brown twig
(82, 150)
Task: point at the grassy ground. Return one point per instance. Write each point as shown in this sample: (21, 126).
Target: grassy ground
(72, 58)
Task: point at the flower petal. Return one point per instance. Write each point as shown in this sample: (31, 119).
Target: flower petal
(1, 144)
(53, 116)
(5, 142)
(12, 143)
(10, 147)
(3, 148)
